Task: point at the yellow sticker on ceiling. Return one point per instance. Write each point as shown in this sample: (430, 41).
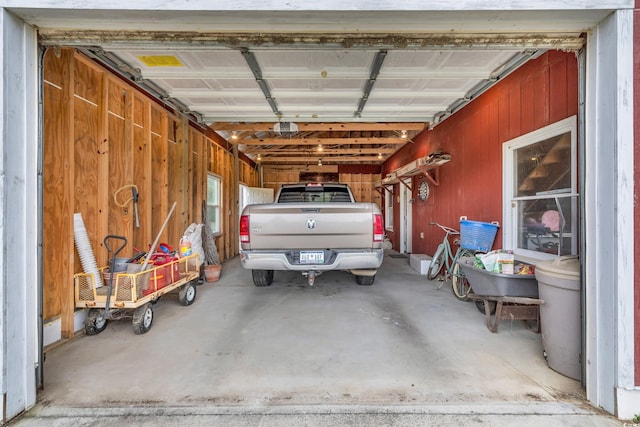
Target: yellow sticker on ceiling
(160, 61)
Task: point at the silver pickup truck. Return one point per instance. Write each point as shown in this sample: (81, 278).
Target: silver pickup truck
(312, 228)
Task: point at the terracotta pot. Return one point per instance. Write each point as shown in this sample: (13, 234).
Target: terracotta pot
(212, 273)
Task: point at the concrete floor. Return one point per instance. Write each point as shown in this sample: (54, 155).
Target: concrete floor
(400, 352)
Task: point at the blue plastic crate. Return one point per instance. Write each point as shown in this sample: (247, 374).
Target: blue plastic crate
(477, 236)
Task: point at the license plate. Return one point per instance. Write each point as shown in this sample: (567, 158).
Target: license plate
(311, 257)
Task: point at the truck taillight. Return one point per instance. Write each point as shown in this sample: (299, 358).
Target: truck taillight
(378, 229)
(244, 229)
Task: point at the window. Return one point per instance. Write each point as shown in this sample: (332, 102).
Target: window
(540, 192)
(213, 203)
(388, 210)
(314, 193)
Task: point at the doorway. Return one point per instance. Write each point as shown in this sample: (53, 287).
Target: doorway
(405, 216)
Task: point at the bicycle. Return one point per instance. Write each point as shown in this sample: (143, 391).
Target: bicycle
(444, 256)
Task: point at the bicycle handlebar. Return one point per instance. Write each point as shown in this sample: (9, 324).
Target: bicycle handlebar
(446, 229)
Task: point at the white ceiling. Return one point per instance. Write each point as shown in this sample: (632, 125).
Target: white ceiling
(316, 67)
(318, 85)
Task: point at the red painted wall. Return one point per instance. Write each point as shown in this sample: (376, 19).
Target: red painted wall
(636, 221)
(542, 92)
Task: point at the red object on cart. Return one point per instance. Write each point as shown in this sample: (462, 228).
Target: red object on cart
(163, 276)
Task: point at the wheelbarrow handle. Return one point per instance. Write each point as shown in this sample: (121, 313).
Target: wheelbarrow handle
(114, 237)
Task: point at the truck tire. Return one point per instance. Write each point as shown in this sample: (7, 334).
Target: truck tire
(365, 280)
(262, 277)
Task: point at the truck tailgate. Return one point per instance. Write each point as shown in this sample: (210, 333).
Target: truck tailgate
(310, 226)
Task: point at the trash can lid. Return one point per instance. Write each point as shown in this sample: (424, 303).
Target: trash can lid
(565, 266)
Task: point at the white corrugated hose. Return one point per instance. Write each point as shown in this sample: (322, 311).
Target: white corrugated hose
(83, 246)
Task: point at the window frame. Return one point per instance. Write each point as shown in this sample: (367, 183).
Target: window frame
(218, 179)
(388, 209)
(510, 212)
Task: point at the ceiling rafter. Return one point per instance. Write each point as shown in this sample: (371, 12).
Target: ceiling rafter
(325, 159)
(322, 141)
(324, 151)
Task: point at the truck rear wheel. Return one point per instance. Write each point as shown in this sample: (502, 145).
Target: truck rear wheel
(365, 280)
(262, 277)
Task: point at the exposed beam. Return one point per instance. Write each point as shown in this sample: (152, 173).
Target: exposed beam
(325, 151)
(184, 39)
(325, 159)
(320, 127)
(322, 141)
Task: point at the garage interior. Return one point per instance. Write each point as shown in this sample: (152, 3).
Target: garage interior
(118, 133)
(165, 110)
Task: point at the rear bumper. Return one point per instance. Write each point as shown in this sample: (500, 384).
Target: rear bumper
(345, 259)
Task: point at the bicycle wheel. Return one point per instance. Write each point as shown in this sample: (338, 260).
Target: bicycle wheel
(437, 262)
(459, 283)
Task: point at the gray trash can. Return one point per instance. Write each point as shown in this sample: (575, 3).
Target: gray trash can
(559, 287)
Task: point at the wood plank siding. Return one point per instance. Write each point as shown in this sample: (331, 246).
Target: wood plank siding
(101, 134)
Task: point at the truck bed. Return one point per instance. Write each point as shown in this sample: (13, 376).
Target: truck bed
(310, 226)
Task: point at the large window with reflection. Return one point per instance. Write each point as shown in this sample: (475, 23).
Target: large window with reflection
(540, 192)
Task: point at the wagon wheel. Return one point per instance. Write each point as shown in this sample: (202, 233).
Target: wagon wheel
(143, 318)
(480, 306)
(187, 294)
(95, 323)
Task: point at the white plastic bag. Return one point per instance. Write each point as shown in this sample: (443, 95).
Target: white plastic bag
(490, 261)
(193, 233)
(498, 261)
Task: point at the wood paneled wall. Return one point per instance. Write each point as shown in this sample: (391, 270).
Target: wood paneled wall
(362, 184)
(102, 134)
